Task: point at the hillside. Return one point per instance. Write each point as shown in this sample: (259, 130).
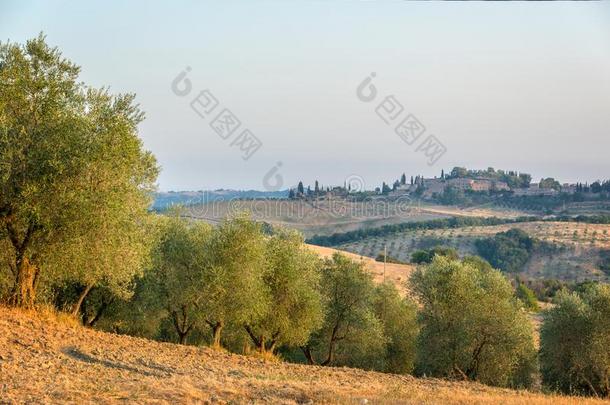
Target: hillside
(580, 246)
(46, 360)
(395, 273)
(325, 217)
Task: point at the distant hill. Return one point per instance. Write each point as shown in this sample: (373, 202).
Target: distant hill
(165, 200)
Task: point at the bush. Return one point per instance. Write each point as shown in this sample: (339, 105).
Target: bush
(426, 256)
(472, 326)
(575, 342)
(527, 297)
(388, 259)
(508, 251)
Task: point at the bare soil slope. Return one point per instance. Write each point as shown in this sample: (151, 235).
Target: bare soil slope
(46, 361)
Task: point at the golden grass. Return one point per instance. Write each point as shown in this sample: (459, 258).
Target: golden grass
(395, 273)
(45, 359)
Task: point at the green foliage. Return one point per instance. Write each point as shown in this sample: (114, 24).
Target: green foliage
(204, 277)
(233, 289)
(452, 196)
(478, 263)
(444, 223)
(550, 183)
(459, 172)
(399, 319)
(366, 326)
(575, 342)
(472, 326)
(427, 256)
(74, 179)
(177, 284)
(508, 251)
(381, 257)
(294, 307)
(512, 178)
(527, 297)
(351, 334)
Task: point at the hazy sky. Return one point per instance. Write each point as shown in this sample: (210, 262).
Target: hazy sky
(522, 86)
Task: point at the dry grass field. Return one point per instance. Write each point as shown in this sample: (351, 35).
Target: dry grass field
(395, 273)
(577, 261)
(325, 217)
(46, 358)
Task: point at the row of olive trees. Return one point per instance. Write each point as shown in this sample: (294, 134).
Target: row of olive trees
(233, 285)
(234, 276)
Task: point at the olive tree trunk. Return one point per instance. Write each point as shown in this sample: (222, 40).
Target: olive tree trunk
(24, 290)
(77, 306)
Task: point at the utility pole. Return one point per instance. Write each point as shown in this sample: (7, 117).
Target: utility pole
(385, 259)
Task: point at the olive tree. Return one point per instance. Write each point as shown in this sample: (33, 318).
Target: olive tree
(472, 325)
(351, 334)
(233, 289)
(177, 278)
(75, 181)
(292, 278)
(575, 342)
(398, 316)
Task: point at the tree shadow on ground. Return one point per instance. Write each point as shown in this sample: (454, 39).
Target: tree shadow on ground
(77, 354)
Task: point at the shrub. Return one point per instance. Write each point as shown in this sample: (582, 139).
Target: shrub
(426, 256)
(508, 251)
(526, 296)
(388, 259)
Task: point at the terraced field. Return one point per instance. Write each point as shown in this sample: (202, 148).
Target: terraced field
(577, 259)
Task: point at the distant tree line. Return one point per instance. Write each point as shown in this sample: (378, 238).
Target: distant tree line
(513, 178)
(442, 223)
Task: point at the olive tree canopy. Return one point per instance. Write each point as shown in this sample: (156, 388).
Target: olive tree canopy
(75, 181)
